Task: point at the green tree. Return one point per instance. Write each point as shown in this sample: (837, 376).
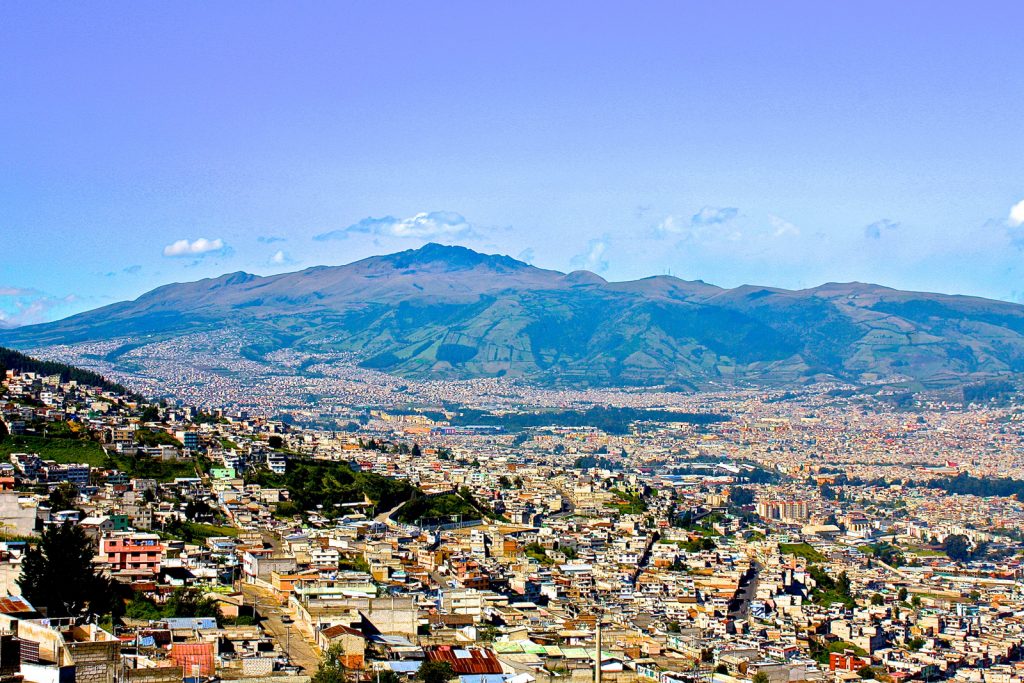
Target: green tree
(63, 497)
(843, 584)
(957, 547)
(877, 600)
(143, 609)
(332, 668)
(189, 602)
(741, 497)
(760, 677)
(57, 575)
(435, 672)
(275, 441)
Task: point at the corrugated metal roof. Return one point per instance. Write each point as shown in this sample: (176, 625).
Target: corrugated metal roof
(191, 622)
(340, 629)
(190, 656)
(473, 660)
(14, 604)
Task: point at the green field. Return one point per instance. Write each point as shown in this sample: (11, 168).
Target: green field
(194, 532)
(151, 468)
(801, 550)
(58, 450)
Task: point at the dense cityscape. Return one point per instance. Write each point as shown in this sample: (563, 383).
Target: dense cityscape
(745, 535)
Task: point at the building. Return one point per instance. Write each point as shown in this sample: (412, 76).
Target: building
(139, 552)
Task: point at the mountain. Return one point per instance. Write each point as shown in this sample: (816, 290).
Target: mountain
(450, 312)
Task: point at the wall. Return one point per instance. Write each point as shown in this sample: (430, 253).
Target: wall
(17, 519)
(95, 662)
(162, 674)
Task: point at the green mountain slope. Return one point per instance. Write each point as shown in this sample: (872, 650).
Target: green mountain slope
(451, 312)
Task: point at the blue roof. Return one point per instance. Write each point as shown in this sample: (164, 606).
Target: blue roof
(484, 678)
(191, 622)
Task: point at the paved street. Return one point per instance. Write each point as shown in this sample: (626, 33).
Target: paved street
(300, 651)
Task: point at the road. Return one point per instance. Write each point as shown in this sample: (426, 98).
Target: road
(385, 517)
(300, 651)
(739, 608)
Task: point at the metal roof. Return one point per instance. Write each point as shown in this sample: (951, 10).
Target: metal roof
(15, 604)
(471, 660)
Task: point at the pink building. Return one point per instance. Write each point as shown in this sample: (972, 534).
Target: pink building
(132, 552)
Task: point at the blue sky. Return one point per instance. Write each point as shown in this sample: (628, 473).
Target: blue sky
(788, 143)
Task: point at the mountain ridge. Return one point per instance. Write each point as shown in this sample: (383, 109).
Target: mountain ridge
(451, 312)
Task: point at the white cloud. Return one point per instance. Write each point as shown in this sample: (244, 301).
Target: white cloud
(878, 228)
(671, 225)
(21, 306)
(781, 227)
(707, 217)
(281, 258)
(1017, 214)
(198, 247)
(593, 258)
(432, 225)
(526, 255)
(714, 215)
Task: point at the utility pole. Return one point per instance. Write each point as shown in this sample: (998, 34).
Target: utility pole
(597, 657)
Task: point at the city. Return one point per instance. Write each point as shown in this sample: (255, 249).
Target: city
(813, 535)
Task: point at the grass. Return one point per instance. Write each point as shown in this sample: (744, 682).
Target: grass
(437, 509)
(151, 468)
(801, 550)
(193, 532)
(58, 450)
(628, 503)
(924, 552)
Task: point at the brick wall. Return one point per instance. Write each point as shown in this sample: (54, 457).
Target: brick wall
(95, 662)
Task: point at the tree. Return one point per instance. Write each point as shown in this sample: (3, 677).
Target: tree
(275, 441)
(843, 584)
(434, 672)
(902, 595)
(741, 497)
(877, 599)
(957, 547)
(189, 602)
(416, 452)
(63, 497)
(57, 575)
(332, 668)
(760, 677)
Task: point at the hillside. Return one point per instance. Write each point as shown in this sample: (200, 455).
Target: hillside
(13, 360)
(449, 312)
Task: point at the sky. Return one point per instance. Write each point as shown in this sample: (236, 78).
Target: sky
(784, 143)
